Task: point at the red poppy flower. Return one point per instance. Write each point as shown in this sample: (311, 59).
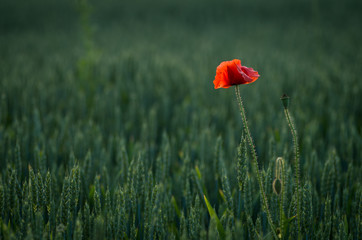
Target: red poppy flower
(230, 73)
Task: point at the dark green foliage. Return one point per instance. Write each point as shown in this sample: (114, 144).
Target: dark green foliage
(242, 163)
(307, 210)
(2, 200)
(110, 127)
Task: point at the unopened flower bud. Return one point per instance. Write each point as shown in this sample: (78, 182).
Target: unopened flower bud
(285, 100)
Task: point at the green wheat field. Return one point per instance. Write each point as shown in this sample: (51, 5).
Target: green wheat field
(110, 126)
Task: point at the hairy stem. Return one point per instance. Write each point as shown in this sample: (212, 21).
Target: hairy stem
(297, 168)
(255, 161)
(282, 194)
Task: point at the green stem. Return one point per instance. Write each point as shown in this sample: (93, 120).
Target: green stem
(255, 161)
(297, 168)
(282, 198)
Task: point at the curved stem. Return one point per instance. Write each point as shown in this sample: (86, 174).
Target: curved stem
(255, 161)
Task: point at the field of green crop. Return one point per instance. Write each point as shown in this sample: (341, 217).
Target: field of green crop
(110, 126)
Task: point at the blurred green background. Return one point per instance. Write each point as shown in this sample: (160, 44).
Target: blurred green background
(308, 49)
(89, 76)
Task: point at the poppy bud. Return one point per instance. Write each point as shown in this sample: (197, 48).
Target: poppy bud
(285, 100)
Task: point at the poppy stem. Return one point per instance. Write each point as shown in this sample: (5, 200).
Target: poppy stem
(255, 161)
(297, 167)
